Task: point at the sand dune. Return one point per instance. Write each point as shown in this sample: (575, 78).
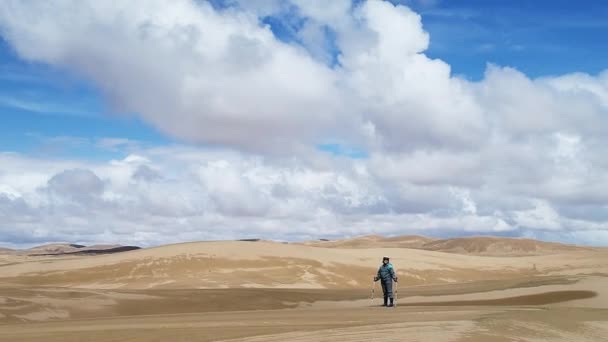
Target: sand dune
(54, 248)
(364, 324)
(374, 241)
(498, 246)
(67, 248)
(6, 250)
(300, 315)
(275, 265)
(194, 291)
(482, 245)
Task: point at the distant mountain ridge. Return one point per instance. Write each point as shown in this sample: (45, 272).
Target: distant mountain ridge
(68, 249)
(475, 245)
(373, 241)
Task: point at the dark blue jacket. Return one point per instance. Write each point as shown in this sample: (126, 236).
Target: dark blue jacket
(386, 272)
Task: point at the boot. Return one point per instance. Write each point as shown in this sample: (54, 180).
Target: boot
(391, 304)
(385, 301)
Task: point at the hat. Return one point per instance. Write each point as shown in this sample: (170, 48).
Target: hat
(386, 258)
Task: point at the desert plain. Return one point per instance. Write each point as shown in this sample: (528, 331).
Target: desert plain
(463, 289)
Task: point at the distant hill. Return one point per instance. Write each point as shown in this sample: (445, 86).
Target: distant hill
(54, 248)
(498, 246)
(374, 241)
(69, 249)
(6, 250)
(478, 245)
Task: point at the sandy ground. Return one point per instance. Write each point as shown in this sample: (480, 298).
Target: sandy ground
(243, 291)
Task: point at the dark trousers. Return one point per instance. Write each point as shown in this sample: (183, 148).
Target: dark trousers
(387, 288)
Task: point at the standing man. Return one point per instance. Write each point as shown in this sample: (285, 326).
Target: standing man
(386, 275)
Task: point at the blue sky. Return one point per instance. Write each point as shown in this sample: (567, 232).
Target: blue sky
(47, 111)
(540, 38)
(537, 37)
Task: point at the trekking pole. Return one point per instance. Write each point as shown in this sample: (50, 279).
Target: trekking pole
(396, 288)
(373, 290)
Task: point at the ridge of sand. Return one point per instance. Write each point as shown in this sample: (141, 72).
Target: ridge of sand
(567, 309)
(4, 250)
(263, 291)
(52, 248)
(373, 241)
(67, 249)
(474, 245)
(278, 265)
(499, 246)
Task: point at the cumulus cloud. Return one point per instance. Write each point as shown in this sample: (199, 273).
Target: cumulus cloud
(507, 154)
(171, 194)
(75, 184)
(219, 77)
(195, 73)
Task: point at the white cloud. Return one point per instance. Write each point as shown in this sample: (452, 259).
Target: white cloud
(189, 70)
(505, 154)
(220, 77)
(177, 193)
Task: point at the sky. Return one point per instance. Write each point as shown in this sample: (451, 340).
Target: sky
(154, 122)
